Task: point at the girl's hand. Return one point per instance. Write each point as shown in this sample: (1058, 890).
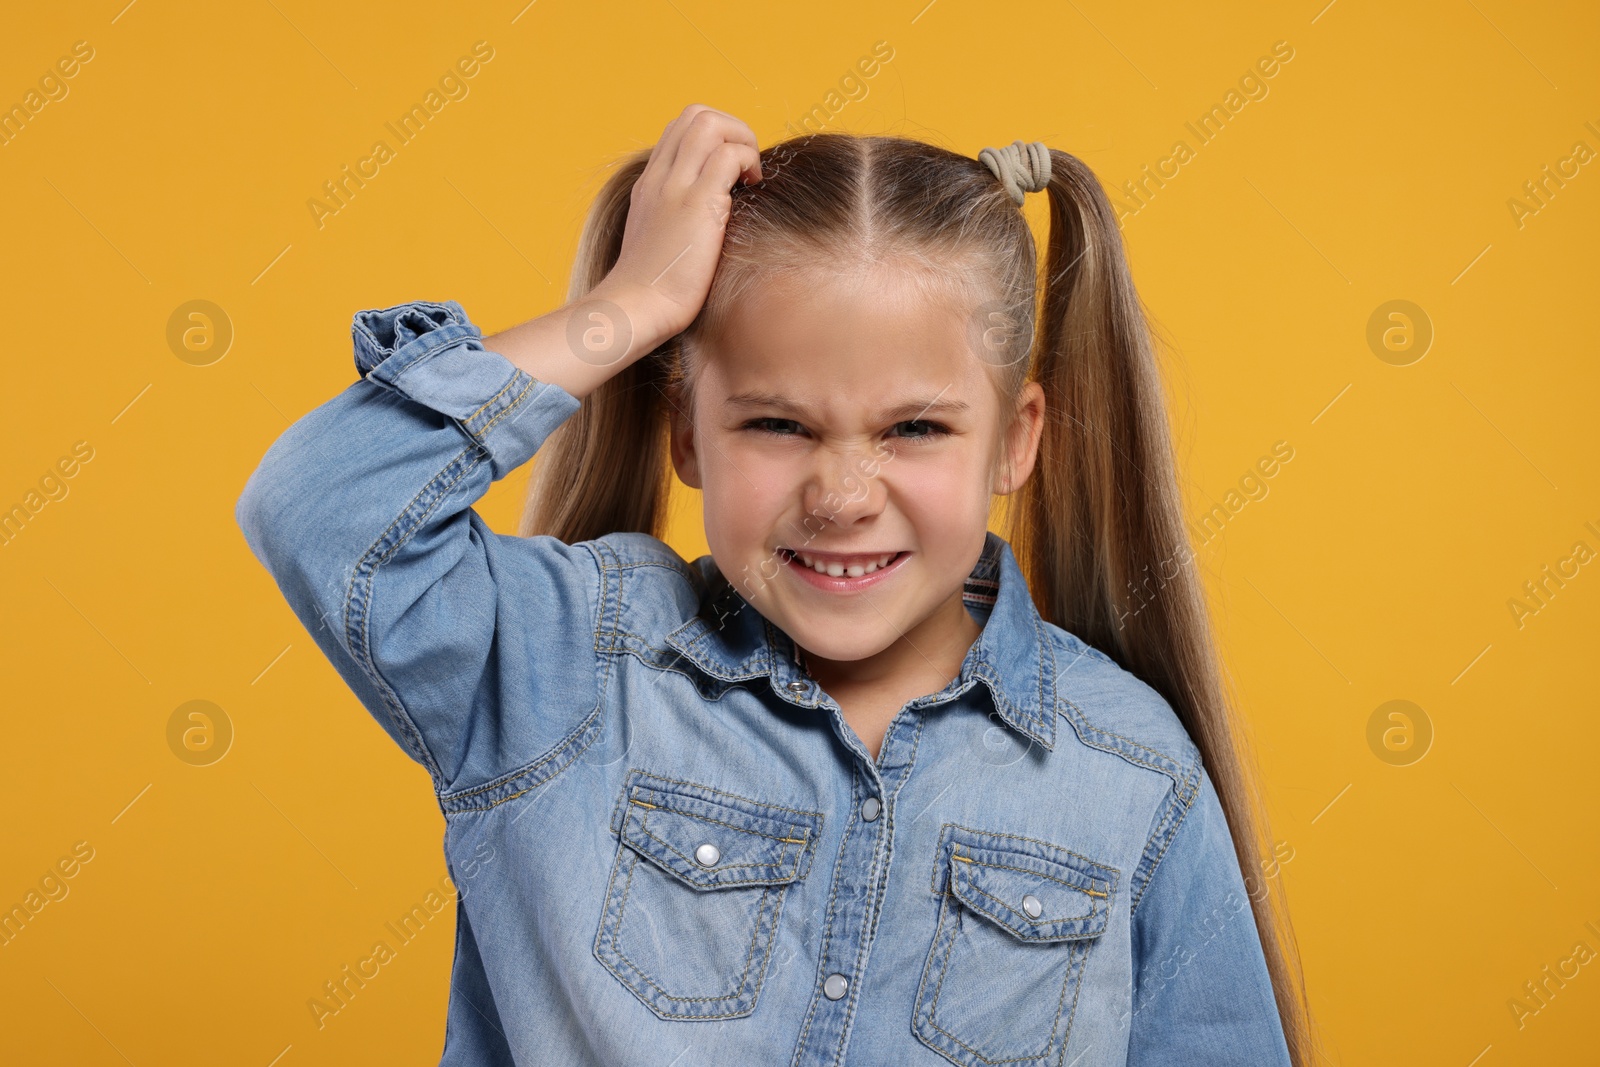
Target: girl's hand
(677, 214)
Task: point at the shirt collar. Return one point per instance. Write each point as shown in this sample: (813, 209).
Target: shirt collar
(1014, 656)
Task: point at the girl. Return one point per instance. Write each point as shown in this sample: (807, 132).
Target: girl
(861, 786)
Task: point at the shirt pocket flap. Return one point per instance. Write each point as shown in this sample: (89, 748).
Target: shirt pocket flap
(712, 840)
(1034, 890)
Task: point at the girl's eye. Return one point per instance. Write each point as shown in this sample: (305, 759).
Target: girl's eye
(929, 430)
(761, 426)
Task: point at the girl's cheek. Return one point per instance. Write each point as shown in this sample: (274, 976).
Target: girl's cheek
(930, 482)
(747, 495)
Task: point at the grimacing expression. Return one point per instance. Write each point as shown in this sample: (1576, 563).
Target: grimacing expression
(849, 416)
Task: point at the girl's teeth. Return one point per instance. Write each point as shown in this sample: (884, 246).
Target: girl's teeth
(838, 570)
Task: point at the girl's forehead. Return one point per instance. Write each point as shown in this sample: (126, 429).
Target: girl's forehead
(862, 332)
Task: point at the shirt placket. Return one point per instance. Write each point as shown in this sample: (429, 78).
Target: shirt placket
(861, 867)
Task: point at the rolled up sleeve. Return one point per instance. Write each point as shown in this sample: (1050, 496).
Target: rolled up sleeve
(473, 650)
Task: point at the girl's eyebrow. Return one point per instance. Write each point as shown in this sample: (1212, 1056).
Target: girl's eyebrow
(914, 408)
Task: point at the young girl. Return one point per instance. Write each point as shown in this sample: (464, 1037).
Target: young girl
(861, 786)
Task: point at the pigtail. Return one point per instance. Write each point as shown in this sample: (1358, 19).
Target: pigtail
(1100, 534)
(606, 468)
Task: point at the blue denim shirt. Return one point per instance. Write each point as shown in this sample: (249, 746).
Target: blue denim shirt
(668, 845)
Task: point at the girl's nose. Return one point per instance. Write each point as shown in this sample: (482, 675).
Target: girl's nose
(845, 488)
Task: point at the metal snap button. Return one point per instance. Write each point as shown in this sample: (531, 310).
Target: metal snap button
(1031, 905)
(707, 856)
(835, 987)
(870, 808)
(797, 687)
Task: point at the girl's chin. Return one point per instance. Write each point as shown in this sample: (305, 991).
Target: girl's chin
(823, 644)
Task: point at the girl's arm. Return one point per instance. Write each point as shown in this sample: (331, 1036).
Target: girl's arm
(476, 651)
(1202, 996)
(473, 650)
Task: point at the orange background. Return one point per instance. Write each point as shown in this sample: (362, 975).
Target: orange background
(1379, 564)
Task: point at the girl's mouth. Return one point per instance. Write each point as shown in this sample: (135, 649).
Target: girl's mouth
(837, 576)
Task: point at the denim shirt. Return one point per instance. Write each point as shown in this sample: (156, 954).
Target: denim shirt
(669, 846)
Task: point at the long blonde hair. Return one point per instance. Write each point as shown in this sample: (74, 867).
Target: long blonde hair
(1102, 512)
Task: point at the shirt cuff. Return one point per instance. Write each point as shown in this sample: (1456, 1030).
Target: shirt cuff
(433, 354)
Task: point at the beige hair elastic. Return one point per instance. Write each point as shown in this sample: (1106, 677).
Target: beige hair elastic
(1021, 167)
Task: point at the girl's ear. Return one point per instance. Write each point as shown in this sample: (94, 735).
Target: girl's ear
(1022, 444)
(685, 455)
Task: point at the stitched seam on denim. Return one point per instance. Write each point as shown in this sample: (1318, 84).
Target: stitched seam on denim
(606, 919)
(888, 816)
(780, 877)
(1072, 958)
(529, 768)
(1010, 714)
(744, 978)
(516, 401)
(432, 506)
(637, 637)
(600, 703)
(738, 673)
(615, 591)
(945, 832)
(1042, 643)
(1191, 784)
(706, 818)
(881, 883)
(925, 996)
(827, 930)
(1175, 815)
(1183, 813)
(1066, 981)
(1095, 910)
(629, 565)
(515, 377)
(356, 630)
(728, 684)
(1082, 963)
(755, 935)
(775, 865)
(1114, 750)
(372, 594)
(675, 568)
(552, 776)
(978, 906)
(758, 803)
(1036, 874)
(946, 910)
(668, 660)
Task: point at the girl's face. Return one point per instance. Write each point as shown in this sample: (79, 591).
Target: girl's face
(849, 420)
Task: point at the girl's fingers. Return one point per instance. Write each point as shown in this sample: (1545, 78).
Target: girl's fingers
(670, 163)
(700, 134)
(727, 163)
(666, 149)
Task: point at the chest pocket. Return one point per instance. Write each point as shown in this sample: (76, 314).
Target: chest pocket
(699, 881)
(1018, 919)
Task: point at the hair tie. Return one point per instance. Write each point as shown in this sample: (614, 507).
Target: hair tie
(1021, 167)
